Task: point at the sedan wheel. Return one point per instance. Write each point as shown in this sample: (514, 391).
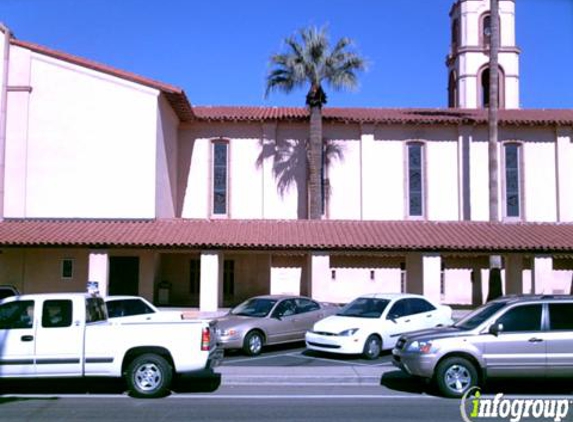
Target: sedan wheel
(253, 343)
(455, 376)
(372, 347)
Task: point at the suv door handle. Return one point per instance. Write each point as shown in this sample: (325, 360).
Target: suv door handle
(535, 340)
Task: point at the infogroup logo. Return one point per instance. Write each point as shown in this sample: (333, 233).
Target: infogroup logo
(475, 407)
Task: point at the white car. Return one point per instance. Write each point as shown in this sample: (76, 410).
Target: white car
(374, 322)
(123, 309)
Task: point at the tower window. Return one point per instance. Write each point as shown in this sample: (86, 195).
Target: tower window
(455, 35)
(486, 30)
(484, 79)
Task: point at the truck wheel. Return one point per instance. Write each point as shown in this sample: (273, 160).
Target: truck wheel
(253, 344)
(372, 347)
(149, 376)
(455, 376)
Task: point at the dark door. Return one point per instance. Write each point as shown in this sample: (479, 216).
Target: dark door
(124, 275)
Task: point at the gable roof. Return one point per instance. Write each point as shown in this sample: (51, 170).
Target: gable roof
(175, 96)
(291, 235)
(417, 116)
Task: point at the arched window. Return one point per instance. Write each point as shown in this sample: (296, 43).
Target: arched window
(415, 175)
(513, 180)
(220, 174)
(485, 29)
(483, 87)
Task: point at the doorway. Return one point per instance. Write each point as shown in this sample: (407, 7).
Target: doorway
(124, 275)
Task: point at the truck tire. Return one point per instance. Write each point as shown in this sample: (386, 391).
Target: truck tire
(372, 347)
(253, 343)
(455, 376)
(149, 376)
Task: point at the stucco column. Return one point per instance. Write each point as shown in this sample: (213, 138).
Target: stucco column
(542, 274)
(563, 160)
(148, 263)
(423, 273)
(319, 275)
(98, 270)
(513, 274)
(211, 281)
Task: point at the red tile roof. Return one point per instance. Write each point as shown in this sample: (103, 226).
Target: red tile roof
(445, 116)
(290, 235)
(176, 96)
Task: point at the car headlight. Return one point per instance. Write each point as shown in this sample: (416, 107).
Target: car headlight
(228, 333)
(420, 347)
(348, 333)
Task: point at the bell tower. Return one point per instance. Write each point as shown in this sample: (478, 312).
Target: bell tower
(468, 59)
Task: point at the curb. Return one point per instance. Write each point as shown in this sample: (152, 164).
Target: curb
(342, 375)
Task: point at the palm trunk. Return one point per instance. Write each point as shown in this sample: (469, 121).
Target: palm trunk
(495, 289)
(315, 164)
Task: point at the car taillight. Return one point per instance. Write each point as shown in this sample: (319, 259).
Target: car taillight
(205, 339)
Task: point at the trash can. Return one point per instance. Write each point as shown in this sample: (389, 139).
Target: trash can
(163, 293)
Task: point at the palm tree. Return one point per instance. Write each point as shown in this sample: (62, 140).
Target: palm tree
(310, 61)
(495, 289)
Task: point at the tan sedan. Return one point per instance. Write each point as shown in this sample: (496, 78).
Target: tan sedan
(272, 319)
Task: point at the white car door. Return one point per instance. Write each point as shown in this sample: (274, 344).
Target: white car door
(399, 321)
(17, 338)
(59, 340)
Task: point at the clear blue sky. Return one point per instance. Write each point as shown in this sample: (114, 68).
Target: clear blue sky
(217, 50)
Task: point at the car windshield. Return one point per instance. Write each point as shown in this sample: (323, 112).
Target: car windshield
(475, 318)
(364, 307)
(255, 307)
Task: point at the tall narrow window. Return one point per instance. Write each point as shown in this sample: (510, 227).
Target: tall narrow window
(220, 173)
(415, 180)
(512, 180)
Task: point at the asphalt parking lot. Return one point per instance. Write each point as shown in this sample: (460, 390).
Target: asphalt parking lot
(296, 354)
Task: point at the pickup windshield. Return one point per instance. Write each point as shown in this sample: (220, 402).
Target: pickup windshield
(364, 307)
(475, 318)
(255, 307)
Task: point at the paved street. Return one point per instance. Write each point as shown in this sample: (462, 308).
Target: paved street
(284, 383)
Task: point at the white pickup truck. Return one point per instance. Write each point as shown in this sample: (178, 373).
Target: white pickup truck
(68, 335)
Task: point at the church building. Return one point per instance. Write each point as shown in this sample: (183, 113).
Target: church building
(112, 178)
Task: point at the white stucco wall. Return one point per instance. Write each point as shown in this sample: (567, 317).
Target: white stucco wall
(166, 163)
(90, 147)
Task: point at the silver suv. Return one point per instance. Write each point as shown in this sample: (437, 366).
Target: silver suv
(513, 336)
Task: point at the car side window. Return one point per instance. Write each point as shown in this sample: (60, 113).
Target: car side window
(306, 305)
(285, 308)
(521, 318)
(18, 314)
(418, 306)
(561, 316)
(399, 309)
(57, 313)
